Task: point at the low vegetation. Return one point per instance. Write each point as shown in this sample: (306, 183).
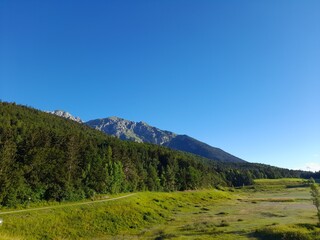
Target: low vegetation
(128, 216)
(289, 232)
(315, 193)
(283, 213)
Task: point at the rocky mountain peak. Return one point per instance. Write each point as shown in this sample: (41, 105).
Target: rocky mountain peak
(66, 115)
(130, 130)
(116, 119)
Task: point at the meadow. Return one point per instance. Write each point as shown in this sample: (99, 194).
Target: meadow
(270, 209)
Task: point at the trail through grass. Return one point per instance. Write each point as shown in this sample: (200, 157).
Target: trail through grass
(257, 212)
(65, 205)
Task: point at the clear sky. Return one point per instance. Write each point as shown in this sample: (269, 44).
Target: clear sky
(240, 75)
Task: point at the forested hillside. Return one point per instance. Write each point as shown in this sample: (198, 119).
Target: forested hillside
(46, 157)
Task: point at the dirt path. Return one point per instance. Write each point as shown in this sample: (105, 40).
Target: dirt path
(66, 205)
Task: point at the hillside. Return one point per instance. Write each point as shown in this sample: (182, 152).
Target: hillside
(46, 157)
(270, 209)
(142, 132)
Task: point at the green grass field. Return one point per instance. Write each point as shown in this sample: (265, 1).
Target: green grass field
(283, 211)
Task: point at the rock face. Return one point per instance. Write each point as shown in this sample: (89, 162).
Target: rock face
(142, 132)
(66, 115)
(133, 131)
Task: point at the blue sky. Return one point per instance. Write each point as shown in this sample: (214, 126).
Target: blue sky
(240, 75)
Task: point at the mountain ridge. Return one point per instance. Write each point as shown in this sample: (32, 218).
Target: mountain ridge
(143, 132)
(130, 130)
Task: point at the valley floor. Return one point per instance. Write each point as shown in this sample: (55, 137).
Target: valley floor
(268, 210)
(238, 218)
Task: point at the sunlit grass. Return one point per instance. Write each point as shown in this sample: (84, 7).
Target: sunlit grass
(124, 216)
(202, 214)
(280, 180)
(7, 237)
(287, 232)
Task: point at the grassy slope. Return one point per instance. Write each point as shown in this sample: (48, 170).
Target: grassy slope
(250, 214)
(281, 212)
(127, 216)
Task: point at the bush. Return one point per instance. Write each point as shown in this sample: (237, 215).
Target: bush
(283, 233)
(315, 193)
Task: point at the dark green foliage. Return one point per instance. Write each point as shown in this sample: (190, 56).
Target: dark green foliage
(314, 175)
(239, 174)
(45, 157)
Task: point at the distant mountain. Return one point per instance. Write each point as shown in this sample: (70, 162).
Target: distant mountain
(142, 132)
(133, 131)
(66, 115)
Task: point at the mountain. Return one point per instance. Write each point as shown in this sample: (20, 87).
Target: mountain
(66, 115)
(133, 131)
(45, 157)
(142, 132)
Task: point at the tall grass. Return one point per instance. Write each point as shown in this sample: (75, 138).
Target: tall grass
(203, 214)
(289, 232)
(124, 216)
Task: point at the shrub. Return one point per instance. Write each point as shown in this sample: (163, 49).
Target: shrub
(315, 193)
(283, 233)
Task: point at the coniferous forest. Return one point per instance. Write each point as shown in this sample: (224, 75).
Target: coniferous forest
(46, 157)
